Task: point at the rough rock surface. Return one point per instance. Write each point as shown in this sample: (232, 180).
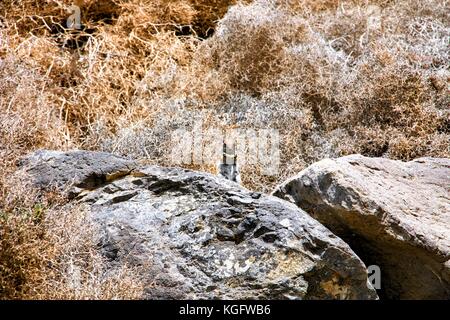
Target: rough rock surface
(199, 236)
(74, 171)
(393, 214)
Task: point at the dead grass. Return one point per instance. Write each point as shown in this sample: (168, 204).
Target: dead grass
(334, 77)
(48, 250)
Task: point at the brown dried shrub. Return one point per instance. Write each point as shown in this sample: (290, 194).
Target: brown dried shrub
(333, 77)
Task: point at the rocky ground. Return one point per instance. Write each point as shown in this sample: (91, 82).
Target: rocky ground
(159, 82)
(199, 236)
(394, 214)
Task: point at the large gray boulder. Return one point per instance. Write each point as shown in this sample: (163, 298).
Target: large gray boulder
(198, 236)
(393, 214)
(75, 171)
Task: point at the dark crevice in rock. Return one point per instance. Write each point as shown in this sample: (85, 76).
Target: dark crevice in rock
(261, 231)
(404, 271)
(93, 181)
(124, 197)
(162, 186)
(368, 254)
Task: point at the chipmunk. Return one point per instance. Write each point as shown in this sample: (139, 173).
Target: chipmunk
(229, 168)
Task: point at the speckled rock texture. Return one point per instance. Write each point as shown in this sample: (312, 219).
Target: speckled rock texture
(393, 214)
(199, 236)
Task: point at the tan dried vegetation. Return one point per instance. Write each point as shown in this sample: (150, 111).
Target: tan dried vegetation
(334, 77)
